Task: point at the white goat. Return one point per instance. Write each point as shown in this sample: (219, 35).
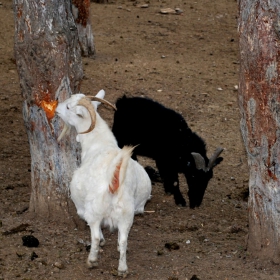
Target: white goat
(109, 187)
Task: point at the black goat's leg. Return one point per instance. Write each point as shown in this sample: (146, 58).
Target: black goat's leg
(171, 182)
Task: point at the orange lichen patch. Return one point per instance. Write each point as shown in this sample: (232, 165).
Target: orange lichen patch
(49, 108)
(83, 11)
(47, 105)
(114, 186)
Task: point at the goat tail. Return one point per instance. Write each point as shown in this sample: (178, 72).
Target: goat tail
(121, 163)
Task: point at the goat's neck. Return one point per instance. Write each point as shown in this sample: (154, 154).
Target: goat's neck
(101, 136)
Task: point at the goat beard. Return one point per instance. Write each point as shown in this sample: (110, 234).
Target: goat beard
(65, 131)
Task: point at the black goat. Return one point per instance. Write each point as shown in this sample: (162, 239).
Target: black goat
(163, 134)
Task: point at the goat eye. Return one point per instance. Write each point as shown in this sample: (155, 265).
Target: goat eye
(67, 106)
(79, 115)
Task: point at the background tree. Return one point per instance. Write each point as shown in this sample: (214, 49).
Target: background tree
(81, 12)
(48, 59)
(259, 100)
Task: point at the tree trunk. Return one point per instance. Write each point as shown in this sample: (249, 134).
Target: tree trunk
(259, 100)
(49, 64)
(81, 12)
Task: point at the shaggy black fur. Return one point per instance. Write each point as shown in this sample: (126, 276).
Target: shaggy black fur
(163, 134)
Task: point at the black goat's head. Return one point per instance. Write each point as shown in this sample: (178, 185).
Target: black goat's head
(199, 175)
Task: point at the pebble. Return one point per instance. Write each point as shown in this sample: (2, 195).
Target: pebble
(178, 11)
(30, 241)
(59, 265)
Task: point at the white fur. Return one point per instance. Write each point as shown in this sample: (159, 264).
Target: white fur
(90, 183)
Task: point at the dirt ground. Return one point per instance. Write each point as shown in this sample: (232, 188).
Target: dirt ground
(188, 62)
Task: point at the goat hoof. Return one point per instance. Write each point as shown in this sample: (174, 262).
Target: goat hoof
(181, 203)
(102, 242)
(168, 192)
(92, 264)
(122, 274)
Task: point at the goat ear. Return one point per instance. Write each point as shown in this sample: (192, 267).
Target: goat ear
(81, 111)
(100, 95)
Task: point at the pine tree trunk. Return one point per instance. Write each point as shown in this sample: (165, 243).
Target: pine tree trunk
(49, 64)
(81, 12)
(259, 28)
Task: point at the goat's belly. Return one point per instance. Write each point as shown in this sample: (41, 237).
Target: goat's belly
(110, 222)
(80, 207)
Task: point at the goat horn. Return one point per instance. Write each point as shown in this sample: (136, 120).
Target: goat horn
(215, 155)
(87, 104)
(199, 161)
(103, 101)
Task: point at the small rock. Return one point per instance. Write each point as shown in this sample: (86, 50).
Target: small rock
(219, 89)
(114, 272)
(172, 246)
(167, 11)
(20, 254)
(144, 6)
(194, 277)
(178, 11)
(159, 253)
(59, 265)
(30, 241)
(33, 256)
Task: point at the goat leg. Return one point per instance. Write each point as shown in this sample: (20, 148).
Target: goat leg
(179, 200)
(95, 241)
(124, 228)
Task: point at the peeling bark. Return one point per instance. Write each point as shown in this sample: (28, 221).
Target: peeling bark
(49, 64)
(81, 12)
(259, 101)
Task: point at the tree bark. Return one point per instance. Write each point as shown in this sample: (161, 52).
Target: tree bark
(81, 12)
(259, 101)
(49, 64)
